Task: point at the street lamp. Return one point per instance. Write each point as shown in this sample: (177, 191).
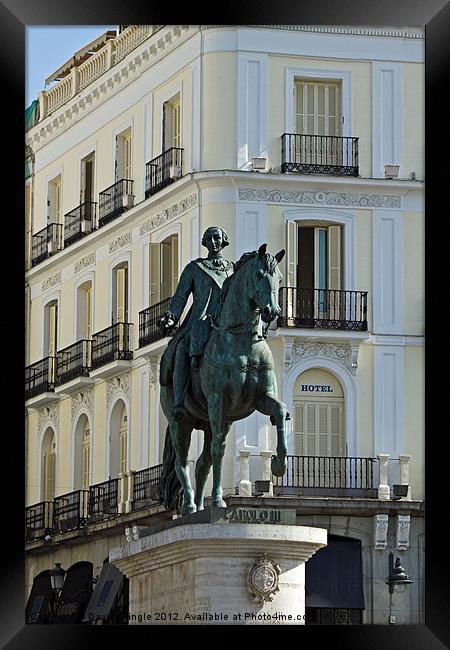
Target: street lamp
(57, 576)
(397, 575)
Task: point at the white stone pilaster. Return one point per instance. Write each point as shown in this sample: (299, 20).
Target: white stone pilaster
(383, 487)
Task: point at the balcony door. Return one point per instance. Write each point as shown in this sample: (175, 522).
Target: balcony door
(318, 113)
(48, 466)
(87, 191)
(171, 131)
(123, 156)
(120, 303)
(118, 440)
(315, 270)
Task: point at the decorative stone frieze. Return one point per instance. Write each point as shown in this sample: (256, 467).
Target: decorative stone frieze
(84, 262)
(345, 354)
(119, 242)
(153, 371)
(380, 531)
(319, 197)
(174, 211)
(83, 398)
(51, 281)
(118, 385)
(49, 413)
(403, 527)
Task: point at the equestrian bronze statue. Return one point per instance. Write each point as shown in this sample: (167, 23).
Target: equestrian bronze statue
(227, 368)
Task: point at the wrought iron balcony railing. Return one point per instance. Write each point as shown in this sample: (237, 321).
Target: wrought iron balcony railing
(113, 201)
(70, 511)
(327, 475)
(325, 308)
(79, 222)
(145, 487)
(111, 344)
(319, 154)
(103, 500)
(163, 170)
(40, 377)
(38, 520)
(149, 331)
(46, 242)
(74, 361)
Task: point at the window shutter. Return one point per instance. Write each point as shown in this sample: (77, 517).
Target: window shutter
(118, 161)
(85, 459)
(174, 263)
(83, 182)
(334, 257)
(311, 430)
(323, 429)
(176, 124)
(53, 326)
(127, 157)
(165, 139)
(336, 428)
(123, 443)
(49, 475)
(299, 429)
(166, 268)
(121, 276)
(155, 274)
(58, 202)
(291, 267)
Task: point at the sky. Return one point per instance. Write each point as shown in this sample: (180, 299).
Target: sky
(47, 47)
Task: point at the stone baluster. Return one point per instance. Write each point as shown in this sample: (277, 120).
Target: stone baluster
(122, 496)
(245, 486)
(266, 471)
(130, 483)
(383, 487)
(404, 474)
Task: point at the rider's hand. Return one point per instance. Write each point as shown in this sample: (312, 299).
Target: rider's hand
(167, 320)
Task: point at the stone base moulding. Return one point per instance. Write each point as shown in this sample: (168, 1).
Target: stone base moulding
(219, 573)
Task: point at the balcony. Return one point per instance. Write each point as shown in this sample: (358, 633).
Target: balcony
(319, 154)
(327, 476)
(70, 511)
(46, 242)
(113, 201)
(38, 520)
(40, 377)
(323, 308)
(73, 365)
(79, 222)
(111, 344)
(163, 170)
(103, 501)
(145, 487)
(149, 331)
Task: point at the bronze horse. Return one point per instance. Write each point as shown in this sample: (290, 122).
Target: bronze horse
(235, 377)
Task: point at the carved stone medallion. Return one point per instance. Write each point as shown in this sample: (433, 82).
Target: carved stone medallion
(263, 579)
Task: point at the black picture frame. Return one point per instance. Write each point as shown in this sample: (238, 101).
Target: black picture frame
(15, 15)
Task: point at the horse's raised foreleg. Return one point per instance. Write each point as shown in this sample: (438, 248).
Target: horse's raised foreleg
(202, 468)
(219, 432)
(181, 438)
(269, 405)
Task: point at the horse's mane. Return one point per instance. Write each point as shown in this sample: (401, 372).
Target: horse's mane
(269, 262)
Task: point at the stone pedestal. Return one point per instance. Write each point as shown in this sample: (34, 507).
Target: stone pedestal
(221, 566)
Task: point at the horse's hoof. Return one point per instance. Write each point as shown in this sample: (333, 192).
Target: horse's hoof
(188, 509)
(277, 466)
(219, 503)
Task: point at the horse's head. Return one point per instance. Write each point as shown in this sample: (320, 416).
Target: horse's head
(267, 278)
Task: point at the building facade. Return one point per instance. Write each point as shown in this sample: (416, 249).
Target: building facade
(308, 138)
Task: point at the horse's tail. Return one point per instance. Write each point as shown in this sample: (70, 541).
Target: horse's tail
(170, 491)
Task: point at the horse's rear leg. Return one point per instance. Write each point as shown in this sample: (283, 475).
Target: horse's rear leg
(269, 405)
(219, 432)
(202, 468)
(181, 438)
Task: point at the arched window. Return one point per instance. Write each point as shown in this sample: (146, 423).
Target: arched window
(118, 440)
(48, 467)
(319, 416)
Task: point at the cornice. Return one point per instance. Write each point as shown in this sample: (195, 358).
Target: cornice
(118, 77)
(390, 32)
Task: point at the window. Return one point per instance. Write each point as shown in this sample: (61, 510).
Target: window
(120, 294)
(82, 454)
(54, 201)
(317, 108)
(172, 123)
(163, 269)
(118, 440)
(50, 329)
(123, 164)
(85, 457)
